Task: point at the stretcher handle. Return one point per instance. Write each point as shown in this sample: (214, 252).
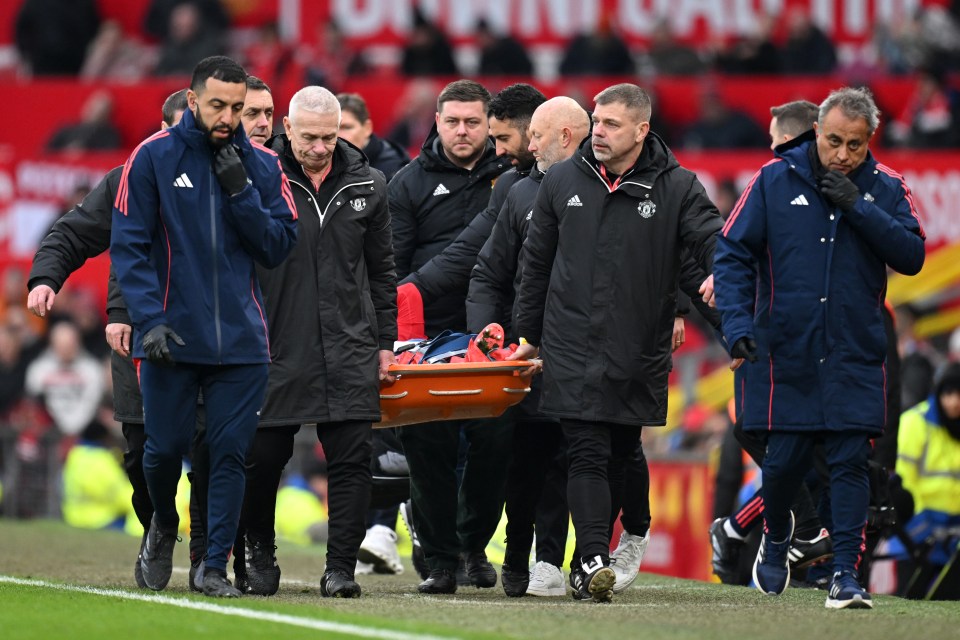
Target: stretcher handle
(393, 396)
(512, 390)
(464, 392)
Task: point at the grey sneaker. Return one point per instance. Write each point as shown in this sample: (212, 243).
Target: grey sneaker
(625, 559)
(137, 571)
(156, 559)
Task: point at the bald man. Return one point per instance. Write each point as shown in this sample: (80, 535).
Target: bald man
(556, 129)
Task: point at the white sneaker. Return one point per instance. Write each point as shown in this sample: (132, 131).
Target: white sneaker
(625, 559)
(546, 580)
(363, 569)
(379, 548)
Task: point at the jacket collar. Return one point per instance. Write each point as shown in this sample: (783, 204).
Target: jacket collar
(654, 160)
(804, 159)
(434, 159)
(188, 131)
(348, 160)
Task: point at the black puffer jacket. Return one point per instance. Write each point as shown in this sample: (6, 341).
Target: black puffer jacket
(600, 278)
(385, 156)
(331, 305)
(431, 202)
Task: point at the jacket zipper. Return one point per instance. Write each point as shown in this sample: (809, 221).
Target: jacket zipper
(213, 256)
(607, 185)
(322, 214)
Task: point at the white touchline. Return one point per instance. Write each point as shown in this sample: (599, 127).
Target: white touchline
(309, 623)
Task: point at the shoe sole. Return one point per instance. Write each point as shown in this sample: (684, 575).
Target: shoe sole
(854, 603)
(381, 563)
(601, 584)
(547, 592)
(812, 561)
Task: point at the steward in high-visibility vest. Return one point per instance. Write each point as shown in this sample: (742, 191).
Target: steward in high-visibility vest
(96, 491)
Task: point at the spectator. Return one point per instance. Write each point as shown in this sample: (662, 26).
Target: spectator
(157, 24)
(13, 369)
(268, 57)
(929, 120)
(94, 132)
(807, 50)
(501, 55)
(96, 492)
(416, 114)
(721, 127)
(189, 40)
(67, 379)
(356, 127)
(753, 53)
(670, 57)
(725, 196)
(114, 56)
(52, 36)
(601, 52)
(330, 61)
(427, 52)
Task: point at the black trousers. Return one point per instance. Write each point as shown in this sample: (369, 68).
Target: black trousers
(136, 436)
(591, 448)
(450, 520)
(538, 448)
(347, 447)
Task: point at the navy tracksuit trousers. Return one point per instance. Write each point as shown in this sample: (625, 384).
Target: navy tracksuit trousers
(232, 395)
(789, 458)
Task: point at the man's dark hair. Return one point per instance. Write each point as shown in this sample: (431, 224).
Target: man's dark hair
(794, 118)
(516, 104)
(355, 104)
(464, 91)
(176, 101)
(630, 95)
(256, 84)
(219, 68)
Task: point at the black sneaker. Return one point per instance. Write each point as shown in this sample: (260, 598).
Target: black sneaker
(597, 578)
(726, 553)
(337, 583)
(156, 559)
(216, 585)
(195, 577)
(577, 585)
(262, 570)
(137, 571)
(805, 553)
(846, 593)
(771, 568)
(440, 581)
(514, 582)
(417, 556)
(480, 573)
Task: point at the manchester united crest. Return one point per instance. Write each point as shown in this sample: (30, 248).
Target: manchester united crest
(646, 209)
(358, 204)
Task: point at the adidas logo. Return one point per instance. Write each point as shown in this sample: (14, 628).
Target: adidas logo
(574, 202)
(593, 563)
(800, 199)
(441, 190)
(530, 215)
(183, 181)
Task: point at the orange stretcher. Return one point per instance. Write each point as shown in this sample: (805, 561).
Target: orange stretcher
(454, 391)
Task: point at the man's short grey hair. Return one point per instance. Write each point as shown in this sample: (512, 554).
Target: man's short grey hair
(315, 100)
(853, 103)
(630, 95)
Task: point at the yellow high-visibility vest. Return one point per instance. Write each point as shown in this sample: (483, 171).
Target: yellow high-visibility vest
(928, 461)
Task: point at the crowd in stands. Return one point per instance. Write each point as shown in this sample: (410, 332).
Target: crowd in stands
(175, 34)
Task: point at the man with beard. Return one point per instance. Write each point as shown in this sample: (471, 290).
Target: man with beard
(602, 264)
(196, 207)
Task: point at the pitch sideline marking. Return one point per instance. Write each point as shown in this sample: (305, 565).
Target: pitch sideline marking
(263, 616)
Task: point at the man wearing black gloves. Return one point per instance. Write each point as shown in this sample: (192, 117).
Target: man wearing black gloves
(197, 205)
(598, 296)
(800, 277)
(80, 234)
(332, 312)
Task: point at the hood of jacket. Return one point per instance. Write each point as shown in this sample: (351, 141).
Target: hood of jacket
(348, 161)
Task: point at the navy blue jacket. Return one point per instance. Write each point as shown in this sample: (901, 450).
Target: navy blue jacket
(807, 281)
(183, 250)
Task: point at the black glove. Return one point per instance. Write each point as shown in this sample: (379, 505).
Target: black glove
(839, 190)
(229, 169)
(155, 344)
(745, 348)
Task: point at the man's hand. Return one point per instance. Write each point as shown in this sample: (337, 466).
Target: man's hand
(706, 290)
(745, 348)
(839, 190)
(735, 364)
(41, 300)
(229, 169)
(679, 333)
(387, 358)
(527, 352)
(118, 337)
(155, 344)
